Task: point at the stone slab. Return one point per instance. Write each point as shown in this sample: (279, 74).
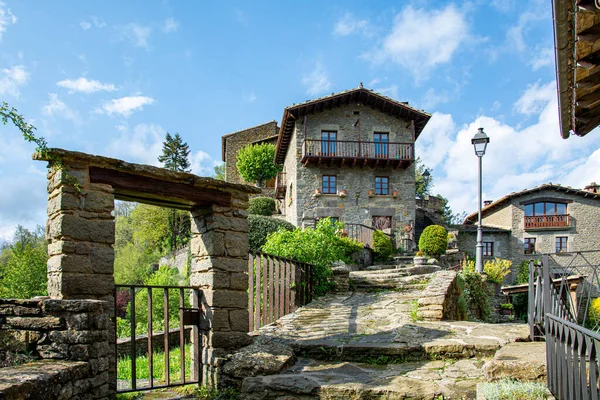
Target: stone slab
(522, 361)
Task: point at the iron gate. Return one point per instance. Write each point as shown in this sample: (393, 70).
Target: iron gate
(157, 351)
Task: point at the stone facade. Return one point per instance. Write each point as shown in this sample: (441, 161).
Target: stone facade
(582, 232)
(303, 208)
(75, 332)
(233, 142)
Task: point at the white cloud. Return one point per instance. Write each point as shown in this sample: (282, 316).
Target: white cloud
(85, 25)
(542, 57)
(86, 86)
(432, 98)
(141, 145)
(202, 163)
(170, 25)
(6, 18)
(422, 39)
(349, 24)
(136, 34)
(11, 79)
(389, 91)
(535, 98)
(515, 35)
(435, 140)
(249, 97)
(98, 23)
(317, 81)
(125, 105)
(57, 108)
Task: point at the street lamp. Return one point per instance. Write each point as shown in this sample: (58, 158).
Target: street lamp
(479, 141)
(426, 176)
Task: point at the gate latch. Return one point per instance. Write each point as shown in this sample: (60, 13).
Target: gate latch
(191, 316)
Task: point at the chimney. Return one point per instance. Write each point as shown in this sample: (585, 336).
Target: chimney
(593, 187)
(487, 202)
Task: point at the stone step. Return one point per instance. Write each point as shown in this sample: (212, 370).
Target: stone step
(525, 362)
(388, 286)
(374, 379)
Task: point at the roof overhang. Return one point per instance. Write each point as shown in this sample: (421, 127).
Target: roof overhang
(361, 95)
(577, 50)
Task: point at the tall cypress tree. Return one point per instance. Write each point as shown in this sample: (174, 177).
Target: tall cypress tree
(175, 153)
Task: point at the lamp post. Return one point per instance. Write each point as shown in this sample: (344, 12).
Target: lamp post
(479, 141)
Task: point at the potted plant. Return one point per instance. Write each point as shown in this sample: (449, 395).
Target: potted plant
(420, 258)
(506, 309)
(395, 193)
(371, 193)
(317, 193)
(343, 193)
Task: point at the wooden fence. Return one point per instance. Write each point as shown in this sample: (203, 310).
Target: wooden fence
(277, 286)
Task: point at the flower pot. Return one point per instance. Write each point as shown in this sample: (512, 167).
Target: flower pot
(395, 194)
(343, 194)
(506, 311)
(371, 193)
(418, 260)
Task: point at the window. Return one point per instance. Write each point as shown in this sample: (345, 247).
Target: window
(488, 249)
(382, 185)
(529, 246)
(545, 208)
(329, 184)
(561, 244)
(381, 144)
(328, 143)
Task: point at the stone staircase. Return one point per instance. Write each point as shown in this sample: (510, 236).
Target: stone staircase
(371, 344)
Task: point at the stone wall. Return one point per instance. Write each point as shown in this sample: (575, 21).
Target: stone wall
(178, 259)
(305, 208)
(439, 299)
(65, 330)
(233, 142)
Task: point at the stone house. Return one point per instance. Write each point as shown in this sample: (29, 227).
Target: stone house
(523, 225)
(349, 156)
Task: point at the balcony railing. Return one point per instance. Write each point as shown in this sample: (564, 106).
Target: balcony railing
(357, 153)
(547, 221)
(280, 185)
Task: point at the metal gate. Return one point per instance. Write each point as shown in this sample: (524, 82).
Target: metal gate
(158, 336)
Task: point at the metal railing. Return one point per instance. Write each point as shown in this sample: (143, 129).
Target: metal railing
(139, 302)
(277, 286)
(547, 221)
(357, 149)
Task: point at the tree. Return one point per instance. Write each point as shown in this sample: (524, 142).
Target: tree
(255, 162)
(175, 154)
(423, 186)
(448, 216)
(220, 172)
(11, 114)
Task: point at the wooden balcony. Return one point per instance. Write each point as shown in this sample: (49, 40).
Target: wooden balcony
(548, 222)
(347, 153)
(280, 185)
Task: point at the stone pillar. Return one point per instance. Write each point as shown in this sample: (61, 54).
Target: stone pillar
(81, 231)
(219, 247)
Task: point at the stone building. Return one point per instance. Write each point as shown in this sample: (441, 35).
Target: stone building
(349, 156)
(550, 218)
(233, 142)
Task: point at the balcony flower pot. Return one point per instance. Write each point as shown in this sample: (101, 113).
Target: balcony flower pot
(343, 194)
(371, 193)
(419, 260)
(395, 194)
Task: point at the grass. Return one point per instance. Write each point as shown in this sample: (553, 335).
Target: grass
(194, 391)
(514, 390)
(414, 312)
(124, 371)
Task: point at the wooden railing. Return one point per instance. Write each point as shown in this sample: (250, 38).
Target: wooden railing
(357, 149)
(547, 221)
(277, 286)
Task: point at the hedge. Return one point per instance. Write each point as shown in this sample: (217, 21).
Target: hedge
(261, 206)
(434, 240)
(260, 226)
(382, 246)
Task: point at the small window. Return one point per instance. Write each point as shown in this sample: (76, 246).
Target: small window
(529, 246)
(382, 185)
(561, 244)
(488, 249)
(356, 112)
(329, 184)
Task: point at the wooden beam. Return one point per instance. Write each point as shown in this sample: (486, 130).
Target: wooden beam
(591, 80)
(156, 191)
(589, 61)
(589, 99)
(590, 35)
(589, 114)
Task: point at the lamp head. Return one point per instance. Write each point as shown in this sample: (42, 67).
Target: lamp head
(480, 141)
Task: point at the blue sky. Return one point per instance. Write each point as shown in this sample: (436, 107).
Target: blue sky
(111, 78)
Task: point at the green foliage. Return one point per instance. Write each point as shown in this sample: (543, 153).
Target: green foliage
(506, 306)
(422, 186)
(11, 114)
(508, 389)
(259, 227)
(382, 246)
(23, 265)
(474, 289)
(434, 240)
(594, 313)
(175, 153)
(321, 246)
(220, 172)
(255, 162)
(497, 270)
(523, 272)
(261, 206)
(133, 264)
(414, 311)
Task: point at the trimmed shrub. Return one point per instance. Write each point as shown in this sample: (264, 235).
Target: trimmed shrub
(594, 313)
(434, 240)
(259, 227)
(497, 270)
(382, 246)
(261, 206)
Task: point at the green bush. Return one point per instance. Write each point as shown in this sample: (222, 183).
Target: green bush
(474, 290)
(382, 246)
(434, 240)
(321, 247)
(255, 162)
(261, 206)
(497, 270)
(259, 228)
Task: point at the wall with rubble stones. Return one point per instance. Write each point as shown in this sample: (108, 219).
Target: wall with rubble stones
(439, 299)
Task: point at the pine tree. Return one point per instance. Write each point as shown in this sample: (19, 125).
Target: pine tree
(175, 154)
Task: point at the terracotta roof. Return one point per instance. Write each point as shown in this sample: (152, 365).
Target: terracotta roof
(472, 218)
(360, 94)
(224, 137)
(577, 47)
